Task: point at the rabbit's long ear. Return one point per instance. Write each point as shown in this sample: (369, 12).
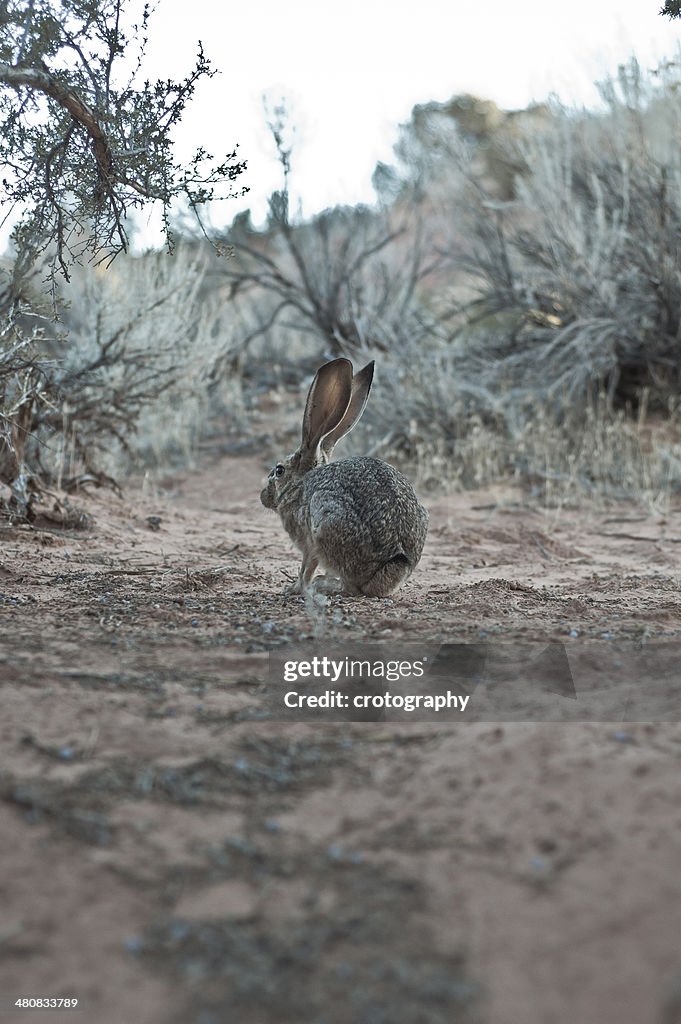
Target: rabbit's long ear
(361, 386)
(327, 401)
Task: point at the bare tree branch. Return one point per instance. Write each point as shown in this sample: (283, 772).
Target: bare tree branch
(42, 81)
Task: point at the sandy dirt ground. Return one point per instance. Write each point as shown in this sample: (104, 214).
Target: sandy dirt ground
(172, 854)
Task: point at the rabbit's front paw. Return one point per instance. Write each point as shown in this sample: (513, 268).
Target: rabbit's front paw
(294, 588)
(325, 585)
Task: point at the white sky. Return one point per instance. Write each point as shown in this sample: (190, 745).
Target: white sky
(352, 72)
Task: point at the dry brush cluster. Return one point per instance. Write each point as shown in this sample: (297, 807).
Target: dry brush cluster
(541, 339)
(123, 378)
(531, 326)
(86, 139)
(519, 282)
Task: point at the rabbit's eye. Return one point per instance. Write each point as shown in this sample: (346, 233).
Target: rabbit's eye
(279, 470)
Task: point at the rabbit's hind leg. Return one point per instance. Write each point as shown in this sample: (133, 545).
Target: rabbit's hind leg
(335, 534)
(388, 577)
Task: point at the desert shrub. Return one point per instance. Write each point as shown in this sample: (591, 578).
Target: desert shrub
(584, 265)
(85, 139)
(127, 377)
(549, 353)
(427, 415)
(552, 355)
(345, 278)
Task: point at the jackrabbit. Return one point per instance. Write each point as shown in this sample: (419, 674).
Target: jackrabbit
(359, 518)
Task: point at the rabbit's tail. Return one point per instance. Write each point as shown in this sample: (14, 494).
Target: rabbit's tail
(389, 576)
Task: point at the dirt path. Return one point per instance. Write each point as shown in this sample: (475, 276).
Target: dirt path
(169, 855)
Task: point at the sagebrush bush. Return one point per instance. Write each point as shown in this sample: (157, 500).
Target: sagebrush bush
(552, 354)
(129, 374)
(430, 414)
(527, 328)
(584, 264)
(547, 348)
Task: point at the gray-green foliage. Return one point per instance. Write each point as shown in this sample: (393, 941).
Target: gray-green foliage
(672, 8)
(570, 282)
(84, 137)
(557, 330)
(584, 264)
(347, 277)
(140, 337)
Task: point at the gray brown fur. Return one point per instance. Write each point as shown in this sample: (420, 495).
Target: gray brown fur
(358, 518)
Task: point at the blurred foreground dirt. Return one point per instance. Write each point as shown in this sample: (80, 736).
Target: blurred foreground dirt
(171, 855)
